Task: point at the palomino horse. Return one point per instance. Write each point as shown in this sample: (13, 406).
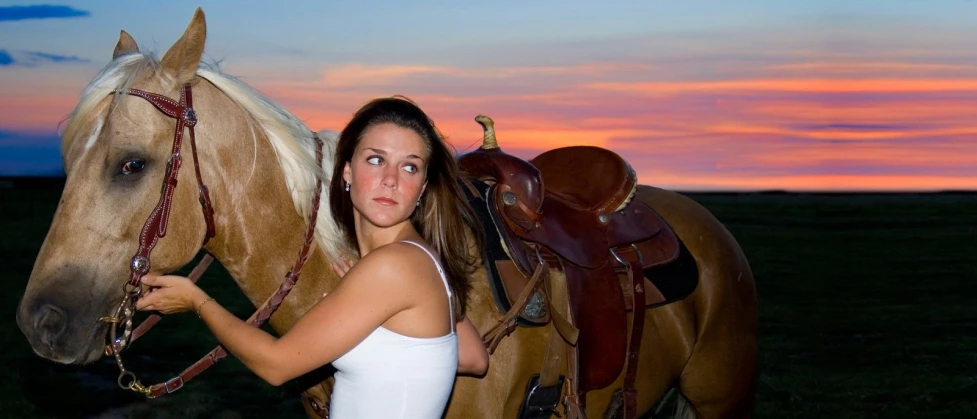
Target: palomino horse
(258, 163)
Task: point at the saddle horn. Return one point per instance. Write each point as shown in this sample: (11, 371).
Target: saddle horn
(488, 127)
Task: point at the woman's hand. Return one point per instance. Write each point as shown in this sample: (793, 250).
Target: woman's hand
(174, 294)
(341, 269)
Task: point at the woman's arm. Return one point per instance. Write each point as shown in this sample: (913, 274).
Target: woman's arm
(346, 316)
(473, 358)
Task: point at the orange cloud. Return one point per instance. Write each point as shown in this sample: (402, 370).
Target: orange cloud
(866, 155)
(36, 111)
(748, 132)
(791, 85)
(811, 183)
(872, 69)
(906, 109)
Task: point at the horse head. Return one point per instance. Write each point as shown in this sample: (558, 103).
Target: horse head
(132, 121)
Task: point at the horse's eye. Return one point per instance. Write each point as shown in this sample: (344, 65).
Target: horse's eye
(133, 166)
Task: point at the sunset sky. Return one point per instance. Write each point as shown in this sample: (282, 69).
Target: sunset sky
(706, 95)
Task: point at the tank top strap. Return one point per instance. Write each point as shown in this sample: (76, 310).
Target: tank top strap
(444, 279)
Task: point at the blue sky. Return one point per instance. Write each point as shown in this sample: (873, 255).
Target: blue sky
(698, 95)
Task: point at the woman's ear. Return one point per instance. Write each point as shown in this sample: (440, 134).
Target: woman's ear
(347, 174)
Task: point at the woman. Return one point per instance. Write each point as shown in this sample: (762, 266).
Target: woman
(394, 191)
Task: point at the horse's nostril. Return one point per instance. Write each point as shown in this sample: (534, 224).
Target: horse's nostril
(50, 323)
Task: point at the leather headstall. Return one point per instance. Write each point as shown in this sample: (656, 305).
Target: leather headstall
(155, 229)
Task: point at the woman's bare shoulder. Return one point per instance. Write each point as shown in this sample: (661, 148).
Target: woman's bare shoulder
(399, 259)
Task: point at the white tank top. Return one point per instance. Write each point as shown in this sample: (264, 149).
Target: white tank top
(389, 375)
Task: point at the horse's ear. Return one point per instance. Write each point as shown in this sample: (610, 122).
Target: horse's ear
(182, 59)
(126, 45)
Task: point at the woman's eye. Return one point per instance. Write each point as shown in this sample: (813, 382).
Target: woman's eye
(133, 166)
(410, 168)
(374, 160)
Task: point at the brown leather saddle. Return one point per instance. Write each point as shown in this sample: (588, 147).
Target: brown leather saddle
(571, 210)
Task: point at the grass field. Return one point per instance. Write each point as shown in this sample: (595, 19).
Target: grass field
(866, 311)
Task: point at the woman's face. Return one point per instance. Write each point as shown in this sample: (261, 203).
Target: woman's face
(387, 174)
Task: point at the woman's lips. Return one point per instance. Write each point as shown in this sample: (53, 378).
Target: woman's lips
(385, 201)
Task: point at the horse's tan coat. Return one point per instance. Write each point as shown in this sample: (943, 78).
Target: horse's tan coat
(705, 344)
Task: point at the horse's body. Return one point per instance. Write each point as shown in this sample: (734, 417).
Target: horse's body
(258, 162)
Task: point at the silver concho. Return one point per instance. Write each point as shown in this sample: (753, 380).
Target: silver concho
(509, 198)
(602, 218)
(536, 307)
(140, 265)
(190, 117)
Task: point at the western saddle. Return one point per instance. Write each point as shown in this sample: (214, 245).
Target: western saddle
(570, 209)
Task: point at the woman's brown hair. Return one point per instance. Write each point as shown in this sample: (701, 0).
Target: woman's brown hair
(444, 218)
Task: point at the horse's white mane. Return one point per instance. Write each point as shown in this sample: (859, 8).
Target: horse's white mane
(292, 140)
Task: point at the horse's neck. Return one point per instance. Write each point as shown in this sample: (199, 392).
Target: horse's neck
(259, 233)
(260, 256)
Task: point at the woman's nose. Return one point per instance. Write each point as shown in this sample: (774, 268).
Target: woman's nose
(389, 178)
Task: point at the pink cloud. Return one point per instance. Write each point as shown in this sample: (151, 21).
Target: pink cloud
(791, 122)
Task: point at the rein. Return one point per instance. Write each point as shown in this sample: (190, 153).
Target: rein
(155, 228)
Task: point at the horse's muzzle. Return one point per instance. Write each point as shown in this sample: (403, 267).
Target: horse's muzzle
(51, 325)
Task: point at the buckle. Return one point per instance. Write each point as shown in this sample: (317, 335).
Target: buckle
(177, 381)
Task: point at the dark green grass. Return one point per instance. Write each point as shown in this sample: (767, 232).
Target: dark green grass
(866, 308)
(866, 311)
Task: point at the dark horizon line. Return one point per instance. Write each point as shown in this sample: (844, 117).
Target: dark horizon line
(50, 181)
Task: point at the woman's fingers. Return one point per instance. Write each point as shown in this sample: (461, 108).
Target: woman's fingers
(146, 301)
(346, 265)
(160, 281)
(168, 294)
(342, 267)
(150, 280)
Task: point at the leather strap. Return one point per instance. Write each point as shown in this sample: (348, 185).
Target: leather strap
(576, 402)
(507, 323)
(184, 112)
(560, 306)
(629, 392)
(560, 303)
(155, 226)
(267, 308)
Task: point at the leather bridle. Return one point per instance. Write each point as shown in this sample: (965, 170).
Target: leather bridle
(155, 228)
